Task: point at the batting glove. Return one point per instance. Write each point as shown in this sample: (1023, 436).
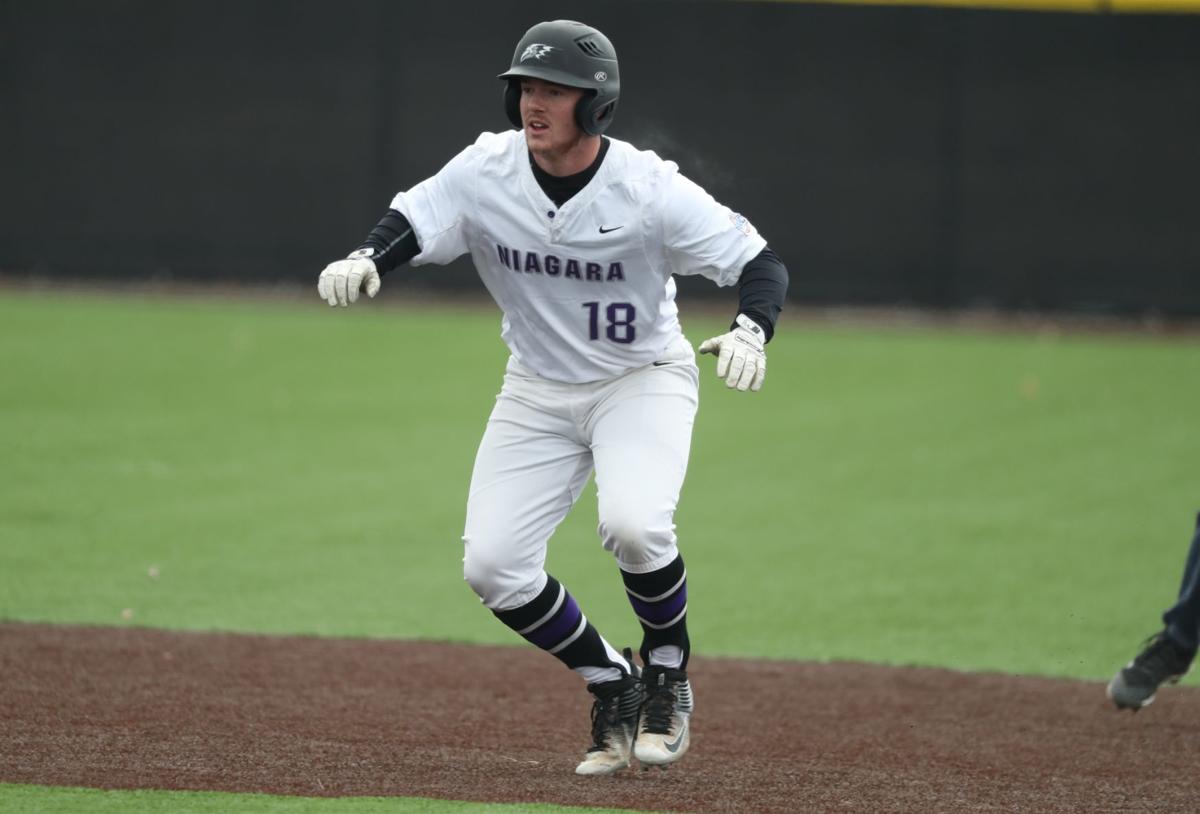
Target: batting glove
(341, 281)
(741, 360)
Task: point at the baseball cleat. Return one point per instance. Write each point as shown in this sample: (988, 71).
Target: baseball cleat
(614, 726)
(1162, 661)
(664, 731)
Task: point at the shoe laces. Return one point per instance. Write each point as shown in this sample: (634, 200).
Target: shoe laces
(607, 710)
(658, 708)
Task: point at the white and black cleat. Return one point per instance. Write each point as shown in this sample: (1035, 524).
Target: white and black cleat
(664, 729)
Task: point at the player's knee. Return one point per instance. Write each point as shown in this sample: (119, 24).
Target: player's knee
(481, 569)
(636, 537)
(491, 575)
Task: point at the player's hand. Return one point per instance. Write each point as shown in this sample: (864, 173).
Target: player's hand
(341, 281)
(741, 360)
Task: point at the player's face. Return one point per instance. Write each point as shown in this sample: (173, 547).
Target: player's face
(548, 115)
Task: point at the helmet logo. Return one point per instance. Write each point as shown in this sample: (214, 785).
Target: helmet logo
(537, 51)
(600, 76)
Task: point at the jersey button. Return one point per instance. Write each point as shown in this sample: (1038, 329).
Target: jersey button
(550, 214)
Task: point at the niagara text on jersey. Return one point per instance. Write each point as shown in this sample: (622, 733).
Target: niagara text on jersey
(585, 288)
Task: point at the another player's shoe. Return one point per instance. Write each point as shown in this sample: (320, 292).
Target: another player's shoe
(1162, 661)
(664, 732)
(614, 725)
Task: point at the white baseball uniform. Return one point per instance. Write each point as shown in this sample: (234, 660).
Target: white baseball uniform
(589, 308)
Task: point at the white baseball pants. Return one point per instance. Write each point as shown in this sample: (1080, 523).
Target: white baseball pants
(542, 441)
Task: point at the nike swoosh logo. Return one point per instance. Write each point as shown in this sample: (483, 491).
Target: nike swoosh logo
(604, 231)
(673, 746)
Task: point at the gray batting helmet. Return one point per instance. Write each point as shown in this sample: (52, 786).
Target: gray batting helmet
(567, 53)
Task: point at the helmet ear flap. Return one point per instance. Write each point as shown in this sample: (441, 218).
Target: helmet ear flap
(603, 116)
(512, 102)
(593, 119)
(583, 112)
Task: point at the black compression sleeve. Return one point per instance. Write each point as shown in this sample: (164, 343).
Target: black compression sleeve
(762, 289)
(392, 242)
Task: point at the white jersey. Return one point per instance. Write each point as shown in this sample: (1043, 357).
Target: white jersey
(585, 288)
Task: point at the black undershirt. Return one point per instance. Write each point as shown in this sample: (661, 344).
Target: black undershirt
(762, 289)
(393, 242)
(561, 189)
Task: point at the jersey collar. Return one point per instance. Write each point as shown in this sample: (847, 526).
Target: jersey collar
(568, 212)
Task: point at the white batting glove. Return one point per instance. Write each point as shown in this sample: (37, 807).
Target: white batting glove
(341, 280)
(741, 360)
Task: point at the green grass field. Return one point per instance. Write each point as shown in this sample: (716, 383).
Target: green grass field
(975, 500)
(18, 798)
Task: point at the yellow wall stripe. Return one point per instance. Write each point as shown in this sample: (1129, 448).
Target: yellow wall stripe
(1077, 6)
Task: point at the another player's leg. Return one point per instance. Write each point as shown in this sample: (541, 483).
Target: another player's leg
(641, 444)
(528, 473)
(1166, 656)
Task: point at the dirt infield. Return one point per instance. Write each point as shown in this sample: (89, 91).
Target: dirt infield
(134, 708)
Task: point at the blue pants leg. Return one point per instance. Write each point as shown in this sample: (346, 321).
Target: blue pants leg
(1183, 619)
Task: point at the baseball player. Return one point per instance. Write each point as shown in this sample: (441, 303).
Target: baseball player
(577, 236)
(1166, 656)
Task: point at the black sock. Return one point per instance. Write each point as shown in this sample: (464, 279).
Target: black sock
(552, 621)
(659, 599)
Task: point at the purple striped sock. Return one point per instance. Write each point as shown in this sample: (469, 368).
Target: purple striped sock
(659, 599)
(553, 621)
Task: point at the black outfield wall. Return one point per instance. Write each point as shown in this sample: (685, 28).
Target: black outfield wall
(891, 155)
